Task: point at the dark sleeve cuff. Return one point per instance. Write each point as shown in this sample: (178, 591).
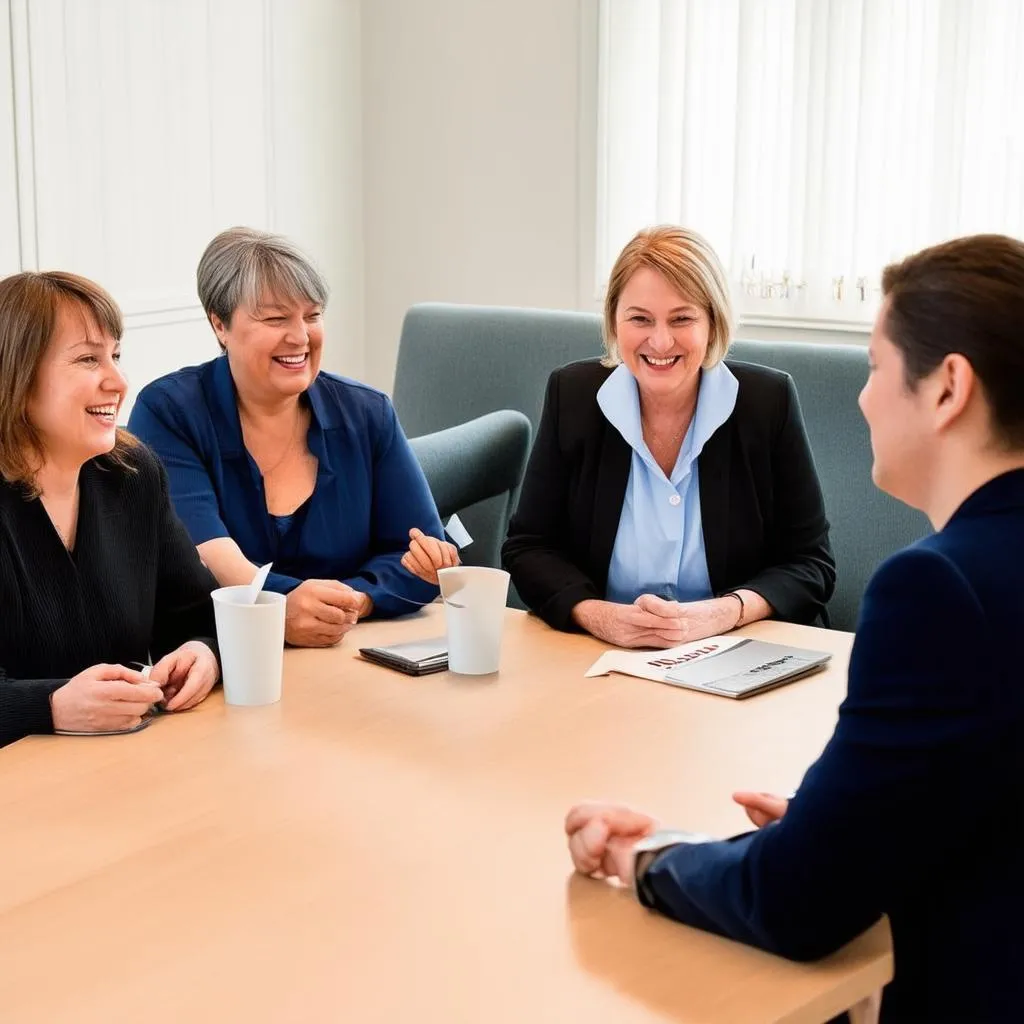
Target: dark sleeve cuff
(280, 584)
(388, 603)
(557, 611)
(791, 599)
(644, 892)
(25, 707)
(210, 642)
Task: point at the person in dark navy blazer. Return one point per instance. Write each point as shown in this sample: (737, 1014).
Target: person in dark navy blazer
(914, 808)
(271, 459)
(670, 495)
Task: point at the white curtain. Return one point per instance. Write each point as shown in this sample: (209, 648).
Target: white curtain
(812, 141)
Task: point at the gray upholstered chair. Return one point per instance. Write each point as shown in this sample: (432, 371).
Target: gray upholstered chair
(457, 362)
(867, 524)
(474, 469)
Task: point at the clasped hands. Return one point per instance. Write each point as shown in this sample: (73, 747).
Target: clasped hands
(602, 836)
(105, 698)
(652, 621)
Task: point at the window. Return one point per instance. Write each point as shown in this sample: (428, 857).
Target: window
(811, 141)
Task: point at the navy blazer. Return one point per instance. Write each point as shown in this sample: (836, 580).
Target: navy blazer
(914, 807)
(369, 487)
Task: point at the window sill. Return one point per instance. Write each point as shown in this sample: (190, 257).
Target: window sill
(818, 325)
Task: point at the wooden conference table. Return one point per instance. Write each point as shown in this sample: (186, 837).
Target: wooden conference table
(384, 848)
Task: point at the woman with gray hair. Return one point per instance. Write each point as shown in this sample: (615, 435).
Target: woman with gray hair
(271, 459)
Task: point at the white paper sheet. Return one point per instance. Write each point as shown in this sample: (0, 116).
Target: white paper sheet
(458, 533)
(656, 665)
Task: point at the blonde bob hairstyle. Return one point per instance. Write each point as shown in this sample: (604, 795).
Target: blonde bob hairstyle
(690, 265)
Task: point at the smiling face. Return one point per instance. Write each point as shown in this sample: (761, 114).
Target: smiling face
(78, 389)
(662, 335)
(275, 348)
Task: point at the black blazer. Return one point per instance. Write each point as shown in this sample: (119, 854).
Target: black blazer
(134, 587)
(761, 507)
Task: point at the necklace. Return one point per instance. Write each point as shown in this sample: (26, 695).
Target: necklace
(63, 517)
(266, 471)
(680, 418)
(661, 437)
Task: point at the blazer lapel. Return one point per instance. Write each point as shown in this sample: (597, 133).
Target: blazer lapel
(614, 460)
(713, 473)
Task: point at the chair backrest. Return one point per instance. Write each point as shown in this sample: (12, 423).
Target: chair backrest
(867, 525)
(474, 469)
(457, 362)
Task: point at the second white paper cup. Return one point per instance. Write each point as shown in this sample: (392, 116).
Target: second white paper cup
(474, 613)
(251, 641)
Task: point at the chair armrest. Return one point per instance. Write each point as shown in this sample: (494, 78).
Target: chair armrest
(476, 460)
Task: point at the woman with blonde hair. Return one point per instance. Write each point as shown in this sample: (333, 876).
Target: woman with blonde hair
(96, 571)
(670, 496)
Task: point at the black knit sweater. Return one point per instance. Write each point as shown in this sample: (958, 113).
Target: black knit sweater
(133, 589)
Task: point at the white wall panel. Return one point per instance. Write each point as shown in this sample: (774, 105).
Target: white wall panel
(9, 247)
(472, 146)
(134, 130)
(149, 135)
(317, 167)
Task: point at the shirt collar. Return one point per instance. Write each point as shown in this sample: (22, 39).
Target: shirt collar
(222, 400)
(619, 401)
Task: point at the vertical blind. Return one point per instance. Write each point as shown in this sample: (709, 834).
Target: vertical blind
(811, 141)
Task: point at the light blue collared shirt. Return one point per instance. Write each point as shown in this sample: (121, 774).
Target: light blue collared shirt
(659, 547)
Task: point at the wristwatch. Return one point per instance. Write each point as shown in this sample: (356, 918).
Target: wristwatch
(647, 850)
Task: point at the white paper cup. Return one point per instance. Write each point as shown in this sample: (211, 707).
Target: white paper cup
(474, 612)
(251, 640)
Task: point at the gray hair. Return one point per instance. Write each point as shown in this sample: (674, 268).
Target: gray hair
(241, 265)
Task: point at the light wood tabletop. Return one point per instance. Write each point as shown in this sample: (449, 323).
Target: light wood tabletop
(379, 847)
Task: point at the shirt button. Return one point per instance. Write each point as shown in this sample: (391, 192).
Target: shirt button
(674, 500)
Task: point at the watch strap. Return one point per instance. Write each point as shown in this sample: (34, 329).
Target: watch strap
(649, 849)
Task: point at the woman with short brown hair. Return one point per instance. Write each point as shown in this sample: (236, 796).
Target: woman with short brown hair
(96, 571)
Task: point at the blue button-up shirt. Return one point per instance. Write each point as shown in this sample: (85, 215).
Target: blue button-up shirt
(369, 487)
(659, 547)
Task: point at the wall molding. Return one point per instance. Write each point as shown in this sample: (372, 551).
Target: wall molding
(814, 324)
(269, 163)
(135, 139)
(139, 319)
(587, 174)
(132, 131)
(24, 134)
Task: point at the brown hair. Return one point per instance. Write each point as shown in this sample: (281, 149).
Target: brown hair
(966, 297)
(29, 306)
(690, 265)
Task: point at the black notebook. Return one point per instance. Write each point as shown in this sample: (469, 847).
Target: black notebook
(416, 658)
